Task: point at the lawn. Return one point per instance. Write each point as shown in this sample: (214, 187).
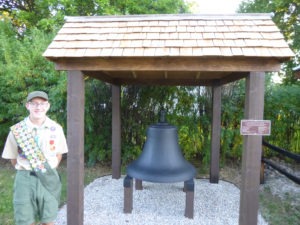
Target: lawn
(279, 211)
(6, 190)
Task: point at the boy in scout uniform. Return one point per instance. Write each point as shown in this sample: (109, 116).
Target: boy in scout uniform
(35, 146)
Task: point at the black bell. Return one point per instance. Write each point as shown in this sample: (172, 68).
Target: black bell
(161, 160)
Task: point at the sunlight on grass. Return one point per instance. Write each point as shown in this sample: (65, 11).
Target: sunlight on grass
(7, 177)
(278, 211)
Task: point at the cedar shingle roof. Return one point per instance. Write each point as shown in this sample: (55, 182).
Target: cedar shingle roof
(242, 35)
(169, 49)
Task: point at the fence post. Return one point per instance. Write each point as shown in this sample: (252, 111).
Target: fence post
(262, 173)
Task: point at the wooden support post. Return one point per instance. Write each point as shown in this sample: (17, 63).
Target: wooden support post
(262, 169)
(116, 132)
(128, 194)
(215, 134)
(189, 188)
(75, 138)
(262, 173)
(252, 149)
(138, 184)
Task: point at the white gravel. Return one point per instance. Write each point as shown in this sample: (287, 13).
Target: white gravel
(163, 204)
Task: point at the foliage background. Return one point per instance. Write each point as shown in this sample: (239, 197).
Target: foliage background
(28, 27)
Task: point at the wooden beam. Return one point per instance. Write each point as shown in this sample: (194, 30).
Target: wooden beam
(166, 82)
(116, 131)
(166, 74)
(134, 74)
(75, 137)
(188, 78)
(233, 77)
(168, 64)
(100, 75)
(215, 134)
(252, 150)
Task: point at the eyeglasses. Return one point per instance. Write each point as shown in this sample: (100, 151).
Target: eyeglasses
(36, 104)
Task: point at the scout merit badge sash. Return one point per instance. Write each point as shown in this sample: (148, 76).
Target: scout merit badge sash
(31, 150)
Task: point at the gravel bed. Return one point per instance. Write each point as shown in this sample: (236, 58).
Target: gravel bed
(163, 204)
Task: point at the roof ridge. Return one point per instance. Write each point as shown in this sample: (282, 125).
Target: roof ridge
(150, 17)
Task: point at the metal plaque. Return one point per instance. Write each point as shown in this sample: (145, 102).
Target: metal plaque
(255, 127)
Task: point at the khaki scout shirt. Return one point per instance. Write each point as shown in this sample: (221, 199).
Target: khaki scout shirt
(50, 138)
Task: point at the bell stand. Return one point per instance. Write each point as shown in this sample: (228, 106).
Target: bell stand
(188, 188)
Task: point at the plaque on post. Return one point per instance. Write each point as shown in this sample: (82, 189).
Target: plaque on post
(255, 127)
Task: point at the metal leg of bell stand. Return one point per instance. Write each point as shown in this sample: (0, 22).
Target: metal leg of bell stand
(189, 187)
(128, 192)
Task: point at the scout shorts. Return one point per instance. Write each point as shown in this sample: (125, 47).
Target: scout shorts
(32, 202)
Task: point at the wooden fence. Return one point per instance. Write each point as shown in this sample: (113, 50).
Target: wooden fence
(277, 167)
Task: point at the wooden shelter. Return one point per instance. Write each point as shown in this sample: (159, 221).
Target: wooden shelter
(209, 50)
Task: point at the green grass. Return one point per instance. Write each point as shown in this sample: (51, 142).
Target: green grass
(279, 211)
(6, 190)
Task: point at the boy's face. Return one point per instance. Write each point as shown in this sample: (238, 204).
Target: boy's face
(38, 108)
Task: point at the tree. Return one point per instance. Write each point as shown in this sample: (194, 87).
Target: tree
(150, 6)
(286, 16)
(23, 69)
(27, 13)
(49, 14)
(283, 108)
(36, 23)
(281, 101)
